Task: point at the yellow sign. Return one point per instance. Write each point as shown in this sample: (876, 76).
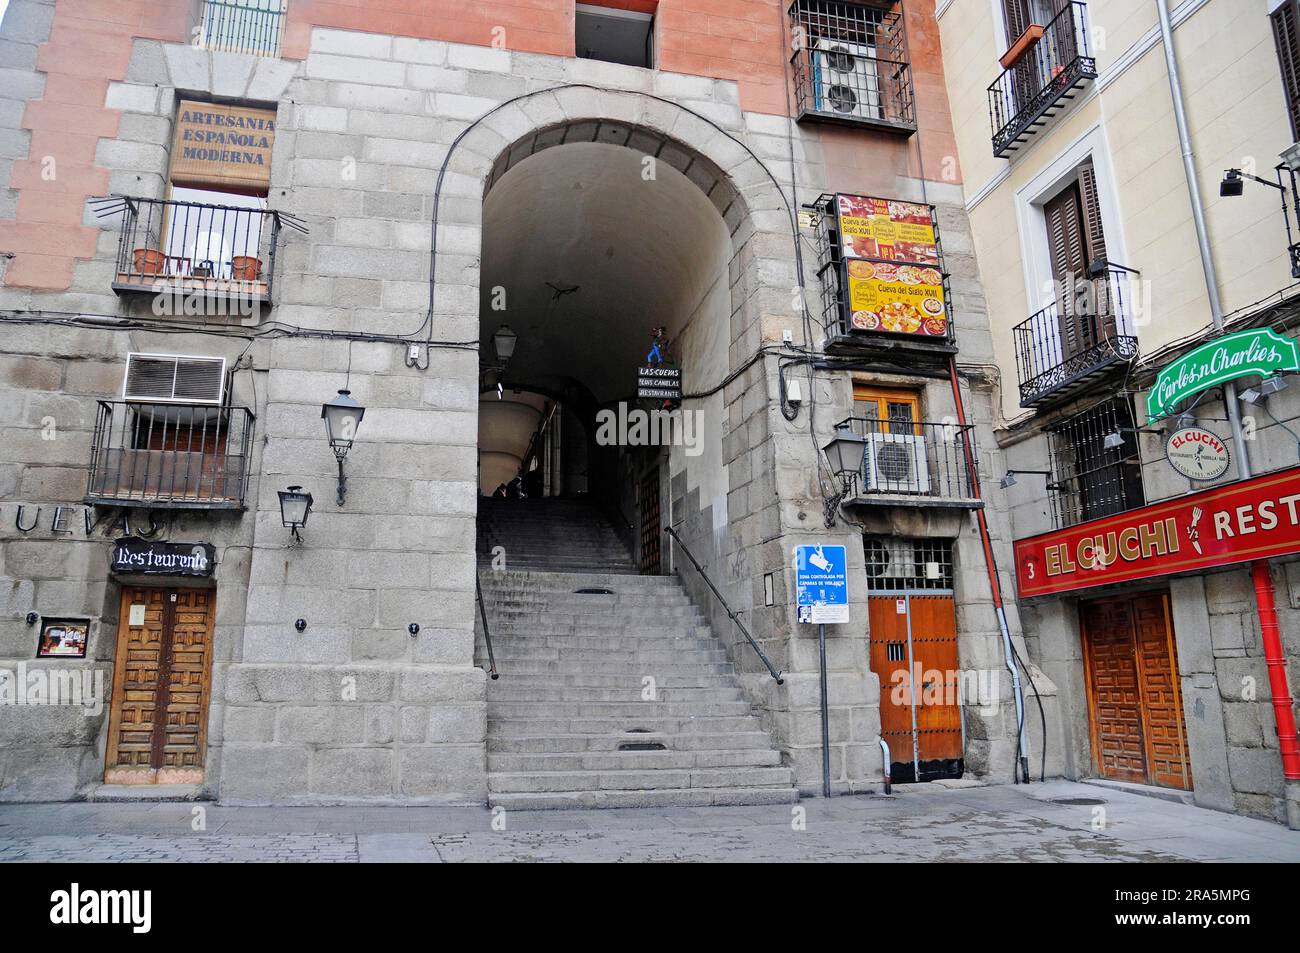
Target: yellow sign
(223, 147)
(902, 299)
(881, 228)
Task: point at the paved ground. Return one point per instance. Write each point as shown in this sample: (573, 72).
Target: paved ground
(1041, 822)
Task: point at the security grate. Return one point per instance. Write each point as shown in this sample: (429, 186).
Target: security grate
(243, 26)
(1090, 479)
(896, 564)
(850, 63)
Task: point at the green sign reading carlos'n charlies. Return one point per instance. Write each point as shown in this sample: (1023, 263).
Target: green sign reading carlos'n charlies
(1256, 351)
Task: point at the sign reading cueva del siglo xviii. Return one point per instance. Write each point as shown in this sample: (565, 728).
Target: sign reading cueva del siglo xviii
(1255, 351)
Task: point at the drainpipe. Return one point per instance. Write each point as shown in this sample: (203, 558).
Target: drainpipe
(1265, 598)
(991, 565)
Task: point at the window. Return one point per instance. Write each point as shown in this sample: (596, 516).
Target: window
(614, 34)
(1286, 33)
(851, 63)
(896, 411)
(1019, 15)
(1077, 244)
(1092, 480)
(896, 564)
(243, 26)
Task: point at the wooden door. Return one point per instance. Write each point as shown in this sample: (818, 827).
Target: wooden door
(651, 531)
(161, 687)
(1134, 701)
(913, 642)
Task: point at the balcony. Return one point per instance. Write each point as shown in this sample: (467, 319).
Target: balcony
(195, 251)
(1041, 79)
(242, 26)
(913, 464)
(1057, 359)
(851, 65)
(170, 456)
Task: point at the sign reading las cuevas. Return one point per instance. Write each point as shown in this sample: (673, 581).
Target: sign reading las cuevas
(1240, 522)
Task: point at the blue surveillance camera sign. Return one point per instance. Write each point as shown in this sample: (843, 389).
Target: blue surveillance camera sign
(821, 582)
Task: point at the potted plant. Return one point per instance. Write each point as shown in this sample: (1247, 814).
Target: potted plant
(245, 268)
(148, 259)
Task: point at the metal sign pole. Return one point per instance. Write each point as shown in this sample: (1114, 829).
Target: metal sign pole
(826, 730)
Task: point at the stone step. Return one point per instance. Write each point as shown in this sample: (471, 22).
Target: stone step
(630, 711)
(533, 580)
(667, 797)
(588, 600)
(664, 639)
(608, 742)
(544, 667)
(635, 760)
(517, 782)
(631, 694)
(521, 650)
(619, 679)
(517, 725)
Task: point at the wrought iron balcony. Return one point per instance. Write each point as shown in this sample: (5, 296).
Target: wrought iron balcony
(242, 26)
(1070, 344)
(913, 464)
(1041, 80)
(851, 65)
(190, 249)
(170, 455)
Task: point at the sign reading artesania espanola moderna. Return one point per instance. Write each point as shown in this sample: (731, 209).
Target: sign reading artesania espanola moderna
(218, 146)
(1259, 351)
(156, 558)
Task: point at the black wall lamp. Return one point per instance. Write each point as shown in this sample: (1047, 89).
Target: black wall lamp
(31, 618)
(342, 417)
(1234, 184)
(300, 624)
(1009, 480)
(295, 507)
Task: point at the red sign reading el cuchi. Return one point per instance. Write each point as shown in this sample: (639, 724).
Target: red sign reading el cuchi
(1240, 522)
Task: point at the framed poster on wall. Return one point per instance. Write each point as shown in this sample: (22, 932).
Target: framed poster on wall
(63, 638)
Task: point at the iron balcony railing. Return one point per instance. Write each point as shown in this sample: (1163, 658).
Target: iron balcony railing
(242, 26)
(905, 463)
(188, 248)
(170, 455)
(851, 64)
(1040, 82)
(1078, 338)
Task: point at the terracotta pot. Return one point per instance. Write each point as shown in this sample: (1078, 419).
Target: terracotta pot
(148, 261)
(245, 268)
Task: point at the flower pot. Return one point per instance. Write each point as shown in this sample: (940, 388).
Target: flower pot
(245, 268)
(148, 261)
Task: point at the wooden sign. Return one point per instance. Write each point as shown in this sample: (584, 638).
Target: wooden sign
(223, 147)
(151, 557)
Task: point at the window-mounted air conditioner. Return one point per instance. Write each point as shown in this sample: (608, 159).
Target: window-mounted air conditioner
(845, 80)
(896, 463)
(174, 379)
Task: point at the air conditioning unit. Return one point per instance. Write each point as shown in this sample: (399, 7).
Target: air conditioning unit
(174, 379)
(896, 463)
(845, 80)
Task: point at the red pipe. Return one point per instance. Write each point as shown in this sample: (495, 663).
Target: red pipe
(1275, 660)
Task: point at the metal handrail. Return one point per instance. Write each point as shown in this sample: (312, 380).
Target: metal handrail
(487, 635)
(734, 618)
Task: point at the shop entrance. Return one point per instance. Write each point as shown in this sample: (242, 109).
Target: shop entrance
(1135, 707)
(913, 648)
(161, 686)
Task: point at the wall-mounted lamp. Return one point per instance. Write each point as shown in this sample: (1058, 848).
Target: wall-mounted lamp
(295, 507)
(413, 628)
(1234, 184)
(300, 624)
(845, 453)
(1267, 388)
(342, 417)
(1009, 480)
(32, 618)
(503, 342)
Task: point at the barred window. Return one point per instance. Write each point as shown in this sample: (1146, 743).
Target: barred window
(243, 26)
(1094, 476)
(895, 564)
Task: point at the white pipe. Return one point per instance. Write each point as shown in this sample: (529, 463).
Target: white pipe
(1202, 232)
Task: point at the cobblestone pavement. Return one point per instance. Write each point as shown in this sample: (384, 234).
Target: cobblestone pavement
(1058, 821)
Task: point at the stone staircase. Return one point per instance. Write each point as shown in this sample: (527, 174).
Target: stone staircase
(569, 723)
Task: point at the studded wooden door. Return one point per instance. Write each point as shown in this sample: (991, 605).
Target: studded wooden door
(161, 685)
(651, 531)
(1134, 700)
(913, 642)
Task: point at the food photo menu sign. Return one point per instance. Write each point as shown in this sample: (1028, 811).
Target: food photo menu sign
(894, 276)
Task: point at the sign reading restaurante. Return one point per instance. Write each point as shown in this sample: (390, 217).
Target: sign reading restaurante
(152, 557)
(1255, 351)
(1240, 522)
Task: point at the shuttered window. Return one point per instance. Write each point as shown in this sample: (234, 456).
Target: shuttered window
(1286, 32)
(1076, 241)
